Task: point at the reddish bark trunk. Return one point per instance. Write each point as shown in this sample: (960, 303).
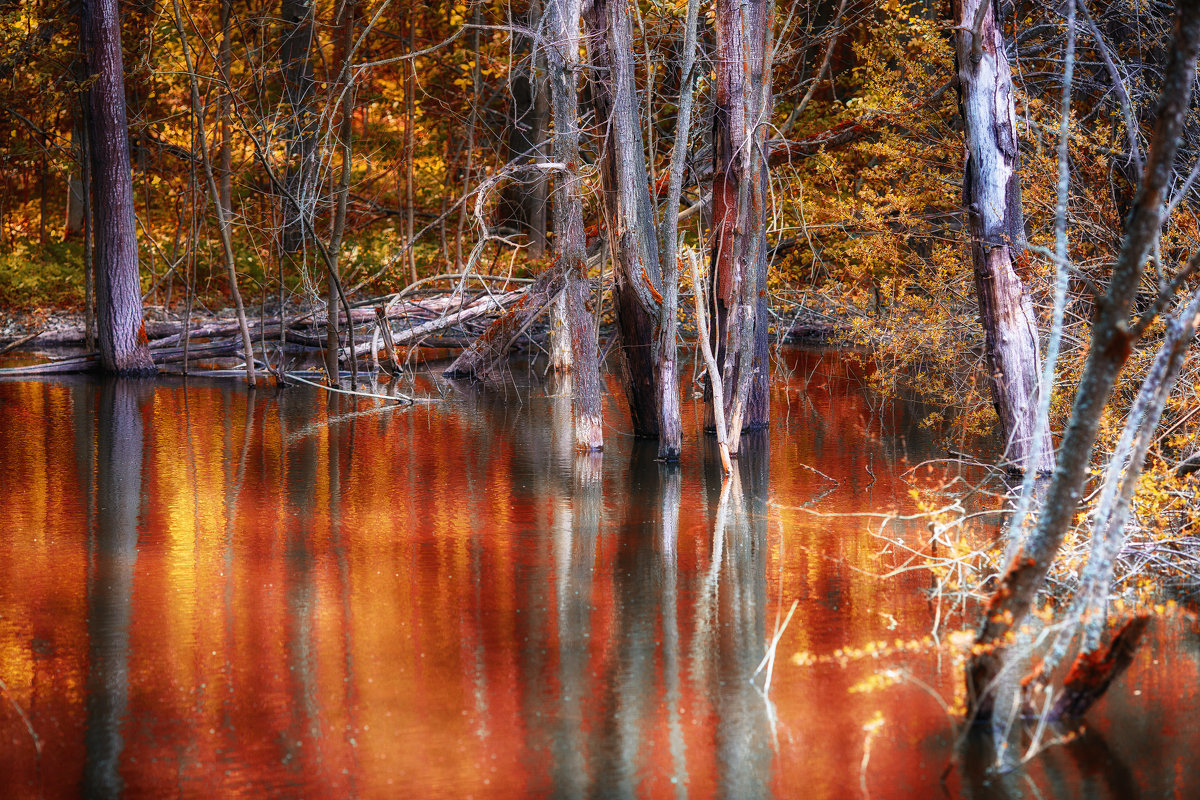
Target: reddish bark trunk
(563, 17)
(738, 273)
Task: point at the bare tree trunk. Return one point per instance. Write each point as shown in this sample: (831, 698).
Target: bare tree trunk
(485, 353)
(523, 202)
(670, 426)
(225, 152)
(738, 273)
(560, 337)
(562, 24)
(1112, 337)
(123, 346)
(296, 73)
(992, 196)
(345, 134)
(626, 192)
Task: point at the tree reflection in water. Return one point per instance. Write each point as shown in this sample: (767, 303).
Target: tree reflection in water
(292, 593)
(114, 544)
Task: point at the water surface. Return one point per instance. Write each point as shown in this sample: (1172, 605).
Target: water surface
(208, 592)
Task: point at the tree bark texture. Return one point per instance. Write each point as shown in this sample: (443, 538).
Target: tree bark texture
(296, 77)
(1109, 348)
(625, 186)
(738, 273)
(562, 23)
(225, 151)
(333, 340)
(523, 203)
(123, 346)
(666, 354)
(484, 355)
(992, 196)
(75, 186)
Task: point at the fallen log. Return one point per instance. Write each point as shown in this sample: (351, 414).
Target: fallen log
(476, 309)
(481, 358)
(84, 363)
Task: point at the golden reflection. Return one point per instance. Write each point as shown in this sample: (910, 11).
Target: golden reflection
(287, 593)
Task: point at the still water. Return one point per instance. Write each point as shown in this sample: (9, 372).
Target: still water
(206, 592)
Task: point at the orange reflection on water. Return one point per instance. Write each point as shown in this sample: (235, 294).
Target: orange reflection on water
(208, 592)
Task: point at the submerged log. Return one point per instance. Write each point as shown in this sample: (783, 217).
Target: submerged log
(486, 352)
(1095, 670)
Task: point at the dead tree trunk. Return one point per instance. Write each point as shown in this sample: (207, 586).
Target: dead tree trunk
(670, 426)
(484, 355)
(123, 345)
(992, 196)
(348, 11)
(737, 293)
(75, 185)
(562, 24)
(625, 186)
(296, 74)
(523, 202)
(1112, 337)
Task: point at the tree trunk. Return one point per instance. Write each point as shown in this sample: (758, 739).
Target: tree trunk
(123, 345)
(523, 202)
(486, 352)
(562, 22)
(345, 133)
(296, 74)
(625, 187)
(1112, 338)
(670, 426)
(75, 185)
(225, 151)
(737, 293)
(560, 337)
(992, 196)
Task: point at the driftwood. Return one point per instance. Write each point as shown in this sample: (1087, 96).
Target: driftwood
(439, 321)
(165, 334)
(470, 311)
(481, 358)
